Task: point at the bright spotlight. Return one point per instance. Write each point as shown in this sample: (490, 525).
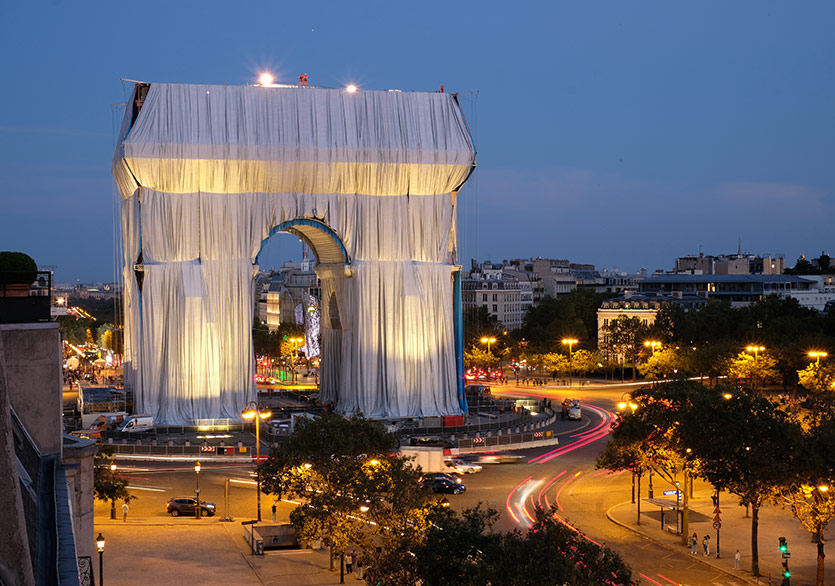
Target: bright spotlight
(351, 89)
(266, 79)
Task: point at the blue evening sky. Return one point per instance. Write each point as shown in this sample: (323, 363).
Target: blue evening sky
(619, 133)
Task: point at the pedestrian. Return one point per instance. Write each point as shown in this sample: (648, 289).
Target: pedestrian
(564, 410)
(349, 563)
(694, 544)
(353, 557)
(274, 518)
(125, 509)
(706, 545)
(736, 560)
(359, 566)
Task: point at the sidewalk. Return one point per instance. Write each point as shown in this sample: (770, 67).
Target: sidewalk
(206, 551)
(735, 533)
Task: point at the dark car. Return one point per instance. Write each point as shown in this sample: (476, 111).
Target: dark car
(436, 475)
(187, 505)
(444, 485)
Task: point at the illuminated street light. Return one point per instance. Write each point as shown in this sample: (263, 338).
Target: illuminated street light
(266, 79)
(351, 89)
(257, 412)
(756, 350)
(570, 342)
(100, 545)
(488, 341)
(654, 344)
(198, 512)
(817, 355)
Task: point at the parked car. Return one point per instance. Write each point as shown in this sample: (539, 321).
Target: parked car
(187, 505)
(462, 467)
(444, 485)
(574, 412)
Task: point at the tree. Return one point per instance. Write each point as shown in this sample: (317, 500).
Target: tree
(107, 485)
(478, 323)
(667, 362)
(760, 367)
(818, 377)
(463, 550)
(573, 315)
(584, 362)
(555, 364)
(477, 357)
(808, 494)
(626, 335)
(734, 436)
(343, 472)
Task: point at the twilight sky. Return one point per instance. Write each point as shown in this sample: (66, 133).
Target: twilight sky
(622, 134)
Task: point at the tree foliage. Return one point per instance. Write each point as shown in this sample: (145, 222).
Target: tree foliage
(107, 484)
(463, 550)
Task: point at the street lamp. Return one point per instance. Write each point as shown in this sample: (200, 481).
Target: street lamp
(112, 501)
(258, 412)
(488, 341)
(817, 356)
(197, 511)
(654, 344)
(100, 545)
(570, 342)
(756, 350)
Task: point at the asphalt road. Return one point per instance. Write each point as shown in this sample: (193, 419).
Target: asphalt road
(562, 474)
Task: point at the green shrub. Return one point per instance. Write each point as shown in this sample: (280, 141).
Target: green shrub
(17, 267)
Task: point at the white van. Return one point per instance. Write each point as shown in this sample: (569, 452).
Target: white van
(136, 423)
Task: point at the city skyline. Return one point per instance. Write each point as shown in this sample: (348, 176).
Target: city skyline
(621, 136)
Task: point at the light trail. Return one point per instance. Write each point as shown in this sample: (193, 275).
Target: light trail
(663, 577)
(651, 580)
(559, 491)
(147, 488)
(550, 482)
(508, 504)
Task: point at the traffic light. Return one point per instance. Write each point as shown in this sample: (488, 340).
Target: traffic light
(784, 547)
(786, 572)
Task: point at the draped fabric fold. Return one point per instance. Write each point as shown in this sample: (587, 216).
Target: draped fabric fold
(218, 168)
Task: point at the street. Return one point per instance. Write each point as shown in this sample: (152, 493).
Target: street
(595, 502)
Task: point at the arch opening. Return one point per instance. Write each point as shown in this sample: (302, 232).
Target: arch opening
(325, 243)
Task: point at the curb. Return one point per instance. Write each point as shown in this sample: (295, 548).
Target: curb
(672, 549)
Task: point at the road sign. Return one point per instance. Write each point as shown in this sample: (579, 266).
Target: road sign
(716, 518)
(671, 492)
(717, 524)
(716, 510)
(787, 555)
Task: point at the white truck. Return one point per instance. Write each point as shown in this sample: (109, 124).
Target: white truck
(429, 458)
(138, 423)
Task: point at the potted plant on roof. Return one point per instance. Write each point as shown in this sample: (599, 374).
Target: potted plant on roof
(17, 273)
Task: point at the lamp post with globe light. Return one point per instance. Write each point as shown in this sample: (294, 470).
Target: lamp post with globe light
(197, 510)
(100, 545)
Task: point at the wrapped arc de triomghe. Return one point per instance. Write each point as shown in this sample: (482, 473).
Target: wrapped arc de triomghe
(368, 179)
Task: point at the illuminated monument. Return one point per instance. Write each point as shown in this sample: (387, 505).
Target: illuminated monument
(368, 179)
